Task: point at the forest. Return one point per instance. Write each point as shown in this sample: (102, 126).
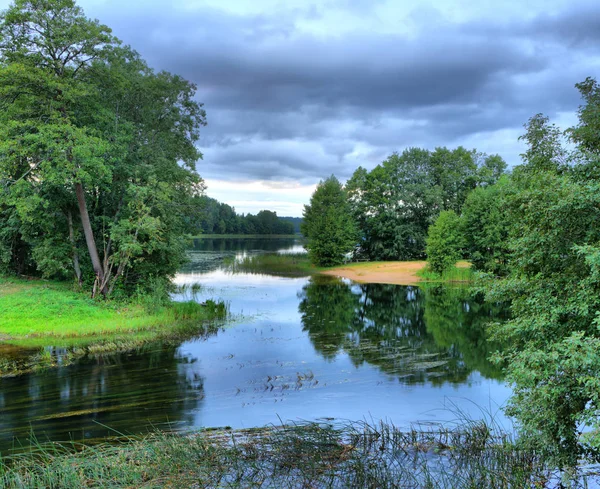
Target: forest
(209, 216)
(386, 212)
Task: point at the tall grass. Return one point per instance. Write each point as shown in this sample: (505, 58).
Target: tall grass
(357, 455)
(460, 273)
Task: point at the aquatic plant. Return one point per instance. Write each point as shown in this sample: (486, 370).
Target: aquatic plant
(469, 455)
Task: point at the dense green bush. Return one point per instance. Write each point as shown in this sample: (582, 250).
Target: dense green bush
(444, 242)
(328, 224)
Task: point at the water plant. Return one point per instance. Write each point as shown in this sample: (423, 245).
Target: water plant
(474, 454)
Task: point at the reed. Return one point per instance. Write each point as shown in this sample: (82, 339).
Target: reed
(379, 455)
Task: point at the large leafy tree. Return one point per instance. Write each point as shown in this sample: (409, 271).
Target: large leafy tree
(97, 152)
(396, 202)
(328, 224)
(554, 287)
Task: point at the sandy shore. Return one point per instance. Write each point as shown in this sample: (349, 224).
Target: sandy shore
(391, 272)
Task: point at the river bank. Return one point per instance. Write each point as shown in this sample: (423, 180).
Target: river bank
(37, 314)
(398, 272)
(382, 272)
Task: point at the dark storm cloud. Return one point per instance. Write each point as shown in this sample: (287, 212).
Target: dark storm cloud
(285, 104)
(574, 27)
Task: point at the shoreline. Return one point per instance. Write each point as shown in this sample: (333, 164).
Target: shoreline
(390, 272)
(395, 273)
(37, 314)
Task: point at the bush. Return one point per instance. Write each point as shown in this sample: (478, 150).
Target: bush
(444, 242)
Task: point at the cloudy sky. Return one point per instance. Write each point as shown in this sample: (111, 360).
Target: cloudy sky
(296, 90)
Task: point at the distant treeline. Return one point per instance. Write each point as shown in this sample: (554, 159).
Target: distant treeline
(213, 217)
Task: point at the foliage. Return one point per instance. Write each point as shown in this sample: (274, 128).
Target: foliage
(553, 286)
(444, 242)
(396, 202)
(485, 224)
(209, 216)
(97, 152)
(328, 224)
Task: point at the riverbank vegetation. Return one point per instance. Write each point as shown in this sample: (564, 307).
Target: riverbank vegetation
(41, 310)
(309, 455)
(538, 229)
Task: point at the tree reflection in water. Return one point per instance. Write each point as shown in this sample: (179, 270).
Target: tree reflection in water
(432, 334)
(104, 396)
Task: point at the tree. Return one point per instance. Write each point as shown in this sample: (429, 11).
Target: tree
(89, 133)
(328, 224)
(553, 285)
(486, 226)
(395, 203)
(444, 242)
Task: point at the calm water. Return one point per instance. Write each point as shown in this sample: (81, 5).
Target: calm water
(298, 349)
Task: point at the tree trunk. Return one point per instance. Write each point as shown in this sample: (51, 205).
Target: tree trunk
(76, 266)
(89, 239)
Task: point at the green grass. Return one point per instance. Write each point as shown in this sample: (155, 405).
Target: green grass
(300, 456)
(460, 273)
(37, 314)
(37, 308)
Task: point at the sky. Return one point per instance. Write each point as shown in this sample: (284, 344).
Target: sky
(296, 90)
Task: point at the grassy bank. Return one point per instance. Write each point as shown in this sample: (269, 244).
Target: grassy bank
(309, 455)
(37, 315)
(39, 308)
(462, 272)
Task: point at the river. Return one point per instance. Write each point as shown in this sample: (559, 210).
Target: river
(296, 349)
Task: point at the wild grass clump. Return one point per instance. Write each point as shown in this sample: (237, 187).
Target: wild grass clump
(357, 455)
(462, 272)
(200, 311)
(285, 265)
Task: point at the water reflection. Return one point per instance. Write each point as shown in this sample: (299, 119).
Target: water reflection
(298, 349)
(99, 397)
(209, 254)
(417, 335)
